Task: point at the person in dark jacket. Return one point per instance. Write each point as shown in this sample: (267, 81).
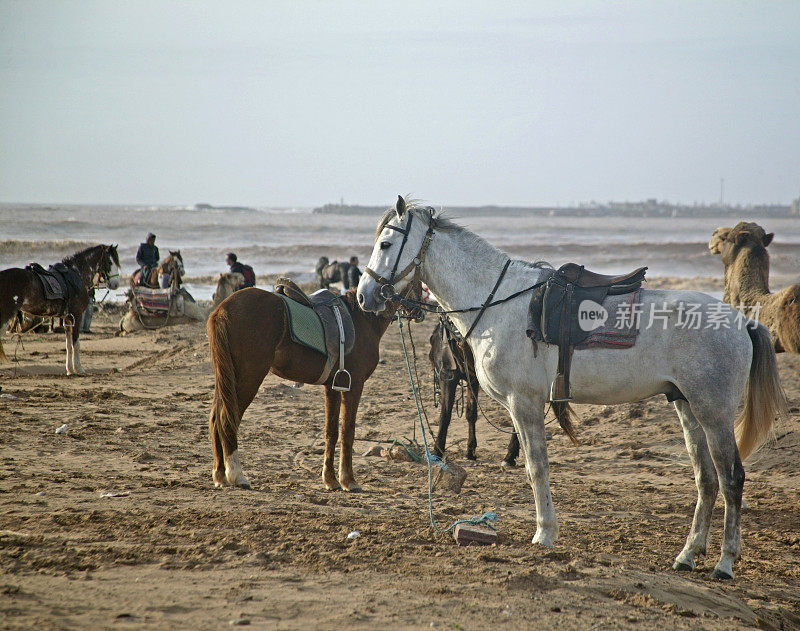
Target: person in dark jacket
(239, 268)
(147, 257)
(353, 274)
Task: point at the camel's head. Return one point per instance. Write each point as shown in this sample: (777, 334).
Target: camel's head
(728, 243)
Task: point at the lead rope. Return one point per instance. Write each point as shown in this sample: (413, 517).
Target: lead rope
(417, 379)
(488, 518)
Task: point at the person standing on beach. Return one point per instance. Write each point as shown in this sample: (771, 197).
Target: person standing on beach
(147, 257)
(239, 268)
(353, 274)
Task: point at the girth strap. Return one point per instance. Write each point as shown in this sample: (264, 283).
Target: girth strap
(489, 299)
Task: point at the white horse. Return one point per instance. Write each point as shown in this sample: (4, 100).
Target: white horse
(228, 284)
(712, 368)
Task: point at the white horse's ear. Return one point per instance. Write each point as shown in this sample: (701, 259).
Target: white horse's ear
(400, 207)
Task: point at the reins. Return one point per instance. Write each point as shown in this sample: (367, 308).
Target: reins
(387, 291)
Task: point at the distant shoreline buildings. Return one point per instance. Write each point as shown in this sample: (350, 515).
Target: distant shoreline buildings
(647, 208)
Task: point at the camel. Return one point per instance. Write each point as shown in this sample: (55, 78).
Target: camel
(743, 250)
(182, 306)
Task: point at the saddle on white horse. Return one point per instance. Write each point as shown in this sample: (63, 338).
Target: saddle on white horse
(553, 315)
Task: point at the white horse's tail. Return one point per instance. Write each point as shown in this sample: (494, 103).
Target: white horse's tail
(764, 399)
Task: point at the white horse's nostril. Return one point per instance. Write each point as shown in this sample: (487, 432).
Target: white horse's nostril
(361, 299)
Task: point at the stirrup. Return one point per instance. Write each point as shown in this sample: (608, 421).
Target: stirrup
(565, 398)
(336, 376)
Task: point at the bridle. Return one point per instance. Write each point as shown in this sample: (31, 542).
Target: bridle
(386, 288)
(102, 274)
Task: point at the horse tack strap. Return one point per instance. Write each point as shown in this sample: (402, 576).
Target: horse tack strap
(416, 262)
(489, 299)
(342, 370)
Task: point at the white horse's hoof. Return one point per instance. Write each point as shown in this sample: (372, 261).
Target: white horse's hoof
(721, 575)
(542, 539)
(723, 571)
(243, 483)
(683, 566)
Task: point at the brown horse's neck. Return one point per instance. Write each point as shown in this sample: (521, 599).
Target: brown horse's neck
(747, 279)
(378, 322)
(86, 263)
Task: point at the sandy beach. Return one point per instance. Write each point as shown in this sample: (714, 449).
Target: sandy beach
(115, 522)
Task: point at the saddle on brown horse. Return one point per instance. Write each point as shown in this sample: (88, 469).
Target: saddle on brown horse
(553, 312)
(336, 323)
(60, 281)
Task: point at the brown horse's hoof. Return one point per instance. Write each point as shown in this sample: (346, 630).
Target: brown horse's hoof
(508, 464)
(331, 485)
(352, 487)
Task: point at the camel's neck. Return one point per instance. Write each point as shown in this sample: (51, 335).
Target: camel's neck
(461, 270)
(747, 279)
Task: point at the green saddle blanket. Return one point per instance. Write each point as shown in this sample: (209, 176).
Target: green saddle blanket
(305, 326)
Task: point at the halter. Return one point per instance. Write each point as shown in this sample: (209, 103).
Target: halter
(386, 289)
(102, 275)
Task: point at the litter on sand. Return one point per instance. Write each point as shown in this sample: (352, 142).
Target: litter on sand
(114, 494)
(354, 535)
(62, 429)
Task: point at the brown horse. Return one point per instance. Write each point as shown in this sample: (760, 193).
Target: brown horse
(249, 337)
(171, 268)
(22, 290)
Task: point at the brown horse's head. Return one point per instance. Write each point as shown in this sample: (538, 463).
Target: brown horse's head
(174, 266)
(109, 270)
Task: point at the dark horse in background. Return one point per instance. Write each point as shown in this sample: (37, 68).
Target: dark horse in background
(22, 290)
(249, 337)
(328, 272)
(452, 362)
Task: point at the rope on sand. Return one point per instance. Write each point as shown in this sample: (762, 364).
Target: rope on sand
(488, 518)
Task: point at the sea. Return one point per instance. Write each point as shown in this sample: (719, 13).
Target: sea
(289, 241)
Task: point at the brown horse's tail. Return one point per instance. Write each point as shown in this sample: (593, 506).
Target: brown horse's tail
(764, 398)
(224, 420)
(564, 413)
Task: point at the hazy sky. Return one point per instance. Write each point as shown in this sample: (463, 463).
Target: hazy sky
(300, 103)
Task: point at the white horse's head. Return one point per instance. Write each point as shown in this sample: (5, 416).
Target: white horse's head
(401, 241)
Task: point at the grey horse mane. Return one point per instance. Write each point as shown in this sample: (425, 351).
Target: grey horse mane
(446, 224)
